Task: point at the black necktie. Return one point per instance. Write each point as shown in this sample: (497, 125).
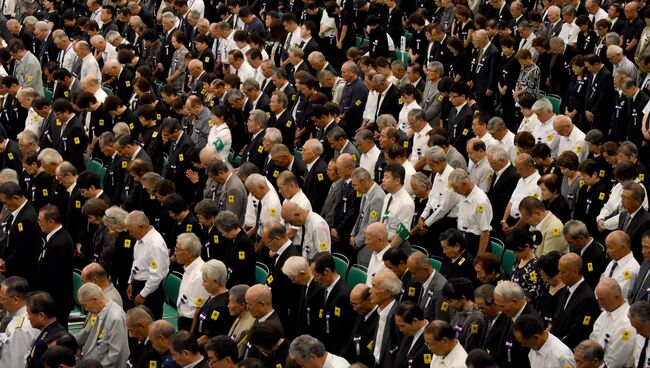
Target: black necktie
(611, 272)
(266, 81)
(390, 200)
(642, 361)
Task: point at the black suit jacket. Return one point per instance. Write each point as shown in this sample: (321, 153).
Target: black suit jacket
(310, 47)
(213, 318)
(392, 102)
(346, 210)
(284, 291)
(54, 270)
(254, 151)
(316, 183)
(263, 103)
(459, 126)
(501, 192)
(575, 322)
(287, 125)
(600, 98)
(418, 356)
(311, 301)
(495, 341)
(179, 162)
(34, 359)
(594, 262)
(640, 289)
(73, 142)
(123, 85)
(23, 246)
(486, 73)
(363, 334)
(639, 224)
(390, 342)
(336, 316)
(518, 353)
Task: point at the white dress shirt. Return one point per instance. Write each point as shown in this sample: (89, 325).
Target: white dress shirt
(525, 187)
(455, 359)
(442, 200)
(615, 332)
(574, 142)
(420, 140)
(400, 211)
(475, 212)
(369, 159)
(376, 264)
(544, 133)
(150, 261)
(381, 326)
(317, 236)
(191, 294)
(625, 273)
(17, 340)
(552, 354)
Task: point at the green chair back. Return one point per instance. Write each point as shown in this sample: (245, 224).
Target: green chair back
(403, 56)
(436, 264)
(165, 165)
(556, 101)
(342, 263)
(496, 248)
(409, 37)
(356, 275)
(172, 287)
(261, 273)
(108, 91)
(508, 261)
(417, 248)
(48, 94)
(76, 284)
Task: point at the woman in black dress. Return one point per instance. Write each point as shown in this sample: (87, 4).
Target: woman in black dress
(213, 318)
(548, 300)
(587, 37)
(509, 73)
(240, 254)
(459, 70)
(552, 198)
(575, 107)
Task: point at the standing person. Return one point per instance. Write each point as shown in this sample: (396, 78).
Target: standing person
(41, 311)
(150, 264)
(485, 71)
(19, 333)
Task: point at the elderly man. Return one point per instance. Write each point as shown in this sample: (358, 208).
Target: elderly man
(589, 354)
(311, 294)
(138, 323)
(571, 138)
(634, 220)
(479, 167)
(41, 312)
(376, 236)
(307, 351)
(67, 56)
(592, 253)
(546, 349)
(430, 299)
(372, 200)
(314, 234)
(623, 268)
(185, 350)
(92, 84)
(577, 309)
(86, 65)
(364, 327)
(159, 333)
(199, 117)
(123, 79)
(440, 339)
(474, 212)
(539, 218)
(526, 186)
(104, 337)
(613, 329)
(150, 263)
(266, 205)
(385, 287)
(19, 334)
(494, 339)
(485, 70)
(96, 274)
(191, 294)
(618, 59)
(346, 209)
(28, 69)
(353, 99)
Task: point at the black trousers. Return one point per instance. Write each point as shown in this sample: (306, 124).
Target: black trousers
(153, 301)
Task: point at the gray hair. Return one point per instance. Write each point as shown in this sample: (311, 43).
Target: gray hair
(227, 221)
(139, 314)
(386, 120)
(215, 270)
(590, 350)
(191, 242)
(640, 311)
(499, 154)
(314, 145)
(435, 154)
(438, 67)
(361, 174)
(28, 136)
(575, 229)
(305, 346)
(274, 134)
(50, 156)
(612, 38)
(458, 176)
(137, 218)
(422, 180)
(111, 36)
(250, 83)
(557, 41)
(114, 216)
(8, 176)
(239, 292)
(543, 104)
(628, 149)
(316, 56)
(509, 290)
(391, 282)
(569, 9)
(260, 117)
(256, 180)
(121, 129)
(297, 52)
(89, 291)
(364, 135)
(496, 123)
(169, 16)
(417, 114)
(485, 292)
(293, 266)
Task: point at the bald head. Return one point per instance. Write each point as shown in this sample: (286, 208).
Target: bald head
(293, 213)
(609, 294)
(481, 37)
(617, 244)
(570, 267)
(259, 300)
(95, 273)
(377, 229)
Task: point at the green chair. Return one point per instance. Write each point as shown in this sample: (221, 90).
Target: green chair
(172, 286)
(417, 248)
(76, 284)
(231, 154)
(496, 247)
(556, 101)
(508, 262)
(77, 315)
(409, 37)
(236, 161)
(357, 274)
(48, 93)
(403, 56)
(342, 263)
(108, 91)
(358, 41)
(261, 273)
(165, 165)
(365, 42)
(435, 263)
(97, 167)
(297, 153)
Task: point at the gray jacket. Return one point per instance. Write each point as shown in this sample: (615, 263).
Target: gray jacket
(370, 212)
(105, 337)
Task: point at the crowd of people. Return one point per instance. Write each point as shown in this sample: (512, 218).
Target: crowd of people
(427, 183)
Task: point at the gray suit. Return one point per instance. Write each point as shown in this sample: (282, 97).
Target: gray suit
(432, 301)
(28, 72)
(351, 149)
(232, 196)
(333, 197)
(105, 338)
(641, 288)
(369, 212)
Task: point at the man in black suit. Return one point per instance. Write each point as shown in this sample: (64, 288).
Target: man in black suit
(47, 49)
(511, 301)
(307, 31)
(412, 351)
(73, 140)
(311, 296)
(600, 98)
(335, 315)
(347, 208)
(116, 171)
(358, 346)
(274, 235)
(385, 287)
(635, 219)
(185, 350)
(260, 100)
(54, 265)
(43, 309)
(196, 70)
(281, 81)
(497, 324)
(316, 180)
(389, 100)
(319, 63)
(395, 259)
(577, 308)
(485, 71)
(560, 67)
(281, 118)
(296, 61)
(138, 322)
(323, 118)
(459, 124)
(638, 98)
(503, 180)
(179, 157)
(122, 77)
(414, 75)
(594, 258)
(639, 290)
(23, 244)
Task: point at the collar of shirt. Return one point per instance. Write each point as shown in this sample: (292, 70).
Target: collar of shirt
(148, 235)
(283, 248)
(624, 260)
(194, 364)
(365, 318)
(619, 313)
(379, 255)
(329, 288)
(17, 211)
(51, 233)
(310, 165)
(101, 191)
(573, 288)
(455, 354)
(514, 319)
(71, 187)
(472, 194)
(383, 313)
(198, 262)
(277, 116)
(423, 132)
(541, 223)
(135, 154)
(584, 249)
(503, 170)
(417, 335)
(265, 317)
(458, 108)
(545, 349)
(425, 285)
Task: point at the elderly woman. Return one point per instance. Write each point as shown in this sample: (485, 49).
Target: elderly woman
(243, 319)
(529, 76)
(240, 253)
(550, 296)
(135, 196)
(458, 260)
(568, 163)
(488, 268)
(214, 245)
(219, 138)
(103, 239)
(176, 74)
(525, 272)
(114, 219)
(468, 321)
(213, 318)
